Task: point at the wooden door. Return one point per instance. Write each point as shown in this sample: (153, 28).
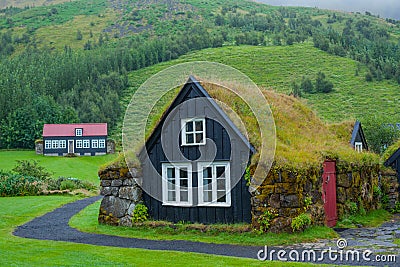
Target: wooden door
(329, 192)
(70, 146)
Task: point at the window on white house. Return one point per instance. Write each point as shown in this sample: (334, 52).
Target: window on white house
(86, 144)
(63, 144)
(47, 144)
(78, 132)
(54, 144)
(214, 184)
(358, 146)
(78, 143)
(95, 143)
(177, 184)
(194, 132)
(102, 143)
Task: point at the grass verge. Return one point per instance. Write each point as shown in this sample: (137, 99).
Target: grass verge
(373, 218)
(86, 221)
(16, 251)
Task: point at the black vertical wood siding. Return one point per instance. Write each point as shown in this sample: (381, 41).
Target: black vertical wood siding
(225, 142)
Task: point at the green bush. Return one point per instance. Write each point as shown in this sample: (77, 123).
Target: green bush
(396, 208)
(265, 219)
(352, 207)
(19, 185)
(301, 222)
(140, 213)
(31, 168)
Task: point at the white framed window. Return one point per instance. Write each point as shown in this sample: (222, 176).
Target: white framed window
(95, 143)
(78, 132)
(86, 143)
(47, 144)
(358, 146)
(177, 184)
(78, 143)
(214, 184)
(102, 143)
(63, 144)
(54, 144)
(194, 132)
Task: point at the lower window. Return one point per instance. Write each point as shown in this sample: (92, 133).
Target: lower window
(177, 184)
(214, 184)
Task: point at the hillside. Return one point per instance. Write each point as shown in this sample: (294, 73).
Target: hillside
(68, 61)
(275, 68)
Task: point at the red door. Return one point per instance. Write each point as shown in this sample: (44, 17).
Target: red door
(329, 192)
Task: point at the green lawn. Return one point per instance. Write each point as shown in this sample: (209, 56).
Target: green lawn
(86, 221)
(84, 168)
(16, 251)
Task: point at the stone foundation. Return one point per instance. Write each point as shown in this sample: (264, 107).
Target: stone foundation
(121, 195)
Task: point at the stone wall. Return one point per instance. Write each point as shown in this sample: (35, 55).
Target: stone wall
(110, 146)
(284, 192)
(39, 147)
(121, 195)
(390, 189)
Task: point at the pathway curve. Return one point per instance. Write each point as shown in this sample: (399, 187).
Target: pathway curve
(54, 226)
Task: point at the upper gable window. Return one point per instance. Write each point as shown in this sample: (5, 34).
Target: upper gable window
(78, 131)
(194, 132)
(358, 146)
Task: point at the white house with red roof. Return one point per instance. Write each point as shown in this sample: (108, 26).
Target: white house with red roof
(83, 139)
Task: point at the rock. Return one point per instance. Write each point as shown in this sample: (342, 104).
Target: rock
(125, 221)
(105, 191)
(274, 201)
(131, 209)
(128, 182)
(289, 201)
(114, 191)
(105, 183)
(117, 182)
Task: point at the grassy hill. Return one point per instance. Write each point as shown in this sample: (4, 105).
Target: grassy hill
(276, 68)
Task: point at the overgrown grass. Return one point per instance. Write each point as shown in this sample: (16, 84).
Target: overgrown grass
(86, 221)
(16, 251)
(84, 168)
(373, 218)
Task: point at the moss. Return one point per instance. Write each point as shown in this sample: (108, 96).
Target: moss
(390, 151)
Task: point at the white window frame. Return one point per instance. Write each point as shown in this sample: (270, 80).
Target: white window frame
(358, 146)
(102, 143)
(214, 188)
(177, 190)
(78, 131)
(86, 143)
(47, 144)
(62, 144)
(95, 143)
(54, 144)
(79, 143)
(194, 132)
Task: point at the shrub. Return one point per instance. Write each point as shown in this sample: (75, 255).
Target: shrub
(352, 207)
(265, 220)
(18, 185)
(31, 168)
(396, 208)
(301, 222)
(140, 213)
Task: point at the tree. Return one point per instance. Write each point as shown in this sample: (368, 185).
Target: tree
(322, 85)
(306, 85)
(380, 132)
(296, 91)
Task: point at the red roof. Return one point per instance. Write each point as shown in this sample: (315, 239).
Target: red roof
(88, 129)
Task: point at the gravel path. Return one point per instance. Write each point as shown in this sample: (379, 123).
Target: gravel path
(54, 226)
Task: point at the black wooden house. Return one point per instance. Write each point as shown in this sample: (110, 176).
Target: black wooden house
(84, 139)
(394, 162)
(193, 163)
(358, 140)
